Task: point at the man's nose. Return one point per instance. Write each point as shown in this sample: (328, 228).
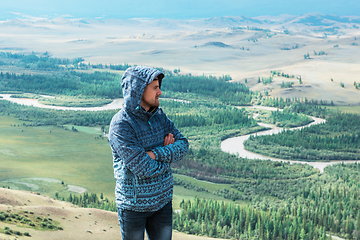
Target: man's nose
(159, 92)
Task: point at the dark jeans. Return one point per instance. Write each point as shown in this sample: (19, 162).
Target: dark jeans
(158, 225)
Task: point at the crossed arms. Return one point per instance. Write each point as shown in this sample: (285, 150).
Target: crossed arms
(169, 139)
(146, 164)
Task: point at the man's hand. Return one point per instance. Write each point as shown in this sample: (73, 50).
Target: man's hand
(169, 139)
(151, 154)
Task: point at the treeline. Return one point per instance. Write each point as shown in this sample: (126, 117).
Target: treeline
(90, 200)
(121, 67)
(208, 86)
(285, 118)
(281, 103)
(216, 166)
(338, 138)
(68, 83)
(282, 74)
(89, 66)
(265, 81)
(43, 62)
(320, 53)
(297, 105)
(225, 117)
(215, 219)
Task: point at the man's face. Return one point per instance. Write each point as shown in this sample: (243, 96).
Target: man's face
(151, 95)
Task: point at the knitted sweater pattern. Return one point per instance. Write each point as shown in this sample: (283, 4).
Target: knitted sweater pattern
(143, 184)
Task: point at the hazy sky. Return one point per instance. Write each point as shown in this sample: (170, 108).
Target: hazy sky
(183, 9)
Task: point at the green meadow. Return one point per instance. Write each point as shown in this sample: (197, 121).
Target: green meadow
(75, 158)
(70, 101)
(181, 193)
(47, 159)
(345, 109)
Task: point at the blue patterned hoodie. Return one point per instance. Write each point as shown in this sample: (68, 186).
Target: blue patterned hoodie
(143, 184)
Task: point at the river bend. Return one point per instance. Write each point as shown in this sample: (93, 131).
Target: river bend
(116, 104)
(235, 145)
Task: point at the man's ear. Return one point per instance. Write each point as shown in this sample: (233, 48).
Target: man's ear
(160, 77)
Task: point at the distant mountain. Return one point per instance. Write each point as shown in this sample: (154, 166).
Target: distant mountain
(324, 20)
(257, 23)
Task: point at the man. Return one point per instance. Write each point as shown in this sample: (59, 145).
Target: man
(144, 143)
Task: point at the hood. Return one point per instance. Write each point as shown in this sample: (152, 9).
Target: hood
(134, 82)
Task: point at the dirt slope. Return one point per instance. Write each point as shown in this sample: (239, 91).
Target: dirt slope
(78, 223)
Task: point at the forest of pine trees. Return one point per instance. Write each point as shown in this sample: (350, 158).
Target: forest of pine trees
(327, 203)
(216, 219)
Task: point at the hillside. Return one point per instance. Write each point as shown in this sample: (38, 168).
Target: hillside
(77, 223)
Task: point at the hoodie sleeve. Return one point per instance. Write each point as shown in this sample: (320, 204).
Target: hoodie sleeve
(125, 145)
(173, 152)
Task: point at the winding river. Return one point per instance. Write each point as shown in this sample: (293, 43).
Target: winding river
(235, 145)
(231, 145)
(116, 104)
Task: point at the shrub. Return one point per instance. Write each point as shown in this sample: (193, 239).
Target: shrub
(27, 234)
